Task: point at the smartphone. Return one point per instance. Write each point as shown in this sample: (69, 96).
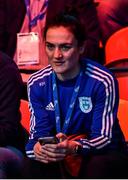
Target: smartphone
(48, 140)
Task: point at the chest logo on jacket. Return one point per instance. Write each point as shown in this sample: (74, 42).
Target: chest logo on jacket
(85, 104)
(50, 107)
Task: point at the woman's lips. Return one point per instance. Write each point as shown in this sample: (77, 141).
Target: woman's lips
(59, 63)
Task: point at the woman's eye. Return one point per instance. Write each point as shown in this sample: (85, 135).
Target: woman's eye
(50, 46)
(65, 48)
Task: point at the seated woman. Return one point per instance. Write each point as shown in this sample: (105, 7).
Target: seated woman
(74, 96)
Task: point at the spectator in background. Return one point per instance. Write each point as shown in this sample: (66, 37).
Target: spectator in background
(12, 14)
(15, 19)
(12, 134)
(112, 15)
(74, 96)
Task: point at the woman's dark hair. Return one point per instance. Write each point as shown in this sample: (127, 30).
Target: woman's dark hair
(71, 23)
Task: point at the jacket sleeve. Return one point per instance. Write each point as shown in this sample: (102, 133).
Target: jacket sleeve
(10, 94)
(39, 121)
(104, 118)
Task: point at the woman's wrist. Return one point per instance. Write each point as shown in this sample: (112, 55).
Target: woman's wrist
(76, 148)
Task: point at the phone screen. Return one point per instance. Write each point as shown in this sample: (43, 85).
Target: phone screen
(48, 140)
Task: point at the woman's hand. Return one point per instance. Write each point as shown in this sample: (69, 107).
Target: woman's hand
(49, 152)
(39, 155)
(55, 152)
(68, 145)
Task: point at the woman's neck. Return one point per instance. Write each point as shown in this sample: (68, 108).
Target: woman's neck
(68, 75)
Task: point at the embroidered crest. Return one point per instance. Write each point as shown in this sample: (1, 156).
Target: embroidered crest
(85, 104)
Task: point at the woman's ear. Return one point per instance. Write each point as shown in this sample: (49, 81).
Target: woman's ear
(81, 49)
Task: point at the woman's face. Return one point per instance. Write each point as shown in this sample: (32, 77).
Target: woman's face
(63, 52)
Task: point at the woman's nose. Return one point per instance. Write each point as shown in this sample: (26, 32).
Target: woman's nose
(57, 53)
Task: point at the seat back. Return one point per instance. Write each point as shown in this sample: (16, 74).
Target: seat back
(116, 58)
(123, 117)
(117, 46)
(123, 87)
(25, 114)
